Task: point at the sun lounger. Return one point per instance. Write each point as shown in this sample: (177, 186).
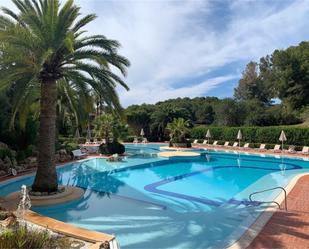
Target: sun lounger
(291, 149)
(262, 147)
(235, 144)
(195, 141)
(277, 148)
(144, 141)
(77, 154)
(135, 141)
(226, 144)
(305, 150)
(246, 146)
(215, 143)
(205, 141)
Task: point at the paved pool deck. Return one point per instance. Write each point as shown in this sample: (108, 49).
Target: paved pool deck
(288, 229)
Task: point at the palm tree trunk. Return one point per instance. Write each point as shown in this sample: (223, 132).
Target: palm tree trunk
(46, 175)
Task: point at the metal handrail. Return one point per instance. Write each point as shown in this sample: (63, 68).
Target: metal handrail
(265, 190)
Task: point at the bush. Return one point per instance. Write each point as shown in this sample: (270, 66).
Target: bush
(69, 147)
(6, 152)
(22, 237)
(112, 148)
(128, 139)
(295, 135)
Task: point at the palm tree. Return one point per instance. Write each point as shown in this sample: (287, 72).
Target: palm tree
(178, 129)
(104, 127)
(43, 45)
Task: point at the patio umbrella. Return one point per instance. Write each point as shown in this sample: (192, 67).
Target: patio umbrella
(88, 137)
(239, 137)
(77, 135)
(208, 135)
(282, 139)
(142, 132)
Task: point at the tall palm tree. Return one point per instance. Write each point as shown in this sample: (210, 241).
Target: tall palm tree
(44, 44)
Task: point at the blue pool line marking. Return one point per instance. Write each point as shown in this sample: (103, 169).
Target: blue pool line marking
(153, 187)
(128, 198)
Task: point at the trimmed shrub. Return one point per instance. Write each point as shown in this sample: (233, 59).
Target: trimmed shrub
(295, 135)
(6, 152)
(112, 148)
(128, 139)
(69, 147)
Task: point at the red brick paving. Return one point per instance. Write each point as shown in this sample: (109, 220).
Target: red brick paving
(288, 230)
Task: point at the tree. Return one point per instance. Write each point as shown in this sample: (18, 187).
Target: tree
(44, 44)
(291, 70)
(230, 113)
(251, 86)
(164, 114)
(204, 114)
(178, 129)
(139, 117)
(109, 127)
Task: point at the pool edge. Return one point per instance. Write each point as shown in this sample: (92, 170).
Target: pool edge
(256, 227)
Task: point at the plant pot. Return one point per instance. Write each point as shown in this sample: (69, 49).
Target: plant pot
(181, 145)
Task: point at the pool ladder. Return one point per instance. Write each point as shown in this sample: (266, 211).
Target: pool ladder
(265, 190)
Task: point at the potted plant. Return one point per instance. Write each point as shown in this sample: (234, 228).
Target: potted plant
(178, 130)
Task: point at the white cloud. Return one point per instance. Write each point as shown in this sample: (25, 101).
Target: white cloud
(170, 43)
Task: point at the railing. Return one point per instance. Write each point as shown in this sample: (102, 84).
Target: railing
(285, 197)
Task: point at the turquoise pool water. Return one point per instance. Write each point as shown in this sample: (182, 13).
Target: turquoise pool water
(152, 202)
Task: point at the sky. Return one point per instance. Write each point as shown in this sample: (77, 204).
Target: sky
(180, 48)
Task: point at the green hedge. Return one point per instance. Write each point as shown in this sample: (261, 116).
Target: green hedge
(270, 134)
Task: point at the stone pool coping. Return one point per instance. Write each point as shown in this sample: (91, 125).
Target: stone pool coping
(257, 226)
(67, 229)
(10, 202)
(179, 154)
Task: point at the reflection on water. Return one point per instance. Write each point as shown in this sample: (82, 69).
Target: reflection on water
(116, 201)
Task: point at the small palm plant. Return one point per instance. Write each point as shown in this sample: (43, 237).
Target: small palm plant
(44, 46)
(104, 127)
(178, 130)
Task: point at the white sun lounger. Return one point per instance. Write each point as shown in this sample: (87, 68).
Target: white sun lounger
(235, 144)
(77, 154)
(262, 147)
(246, 146)
(205, 141)
(195, 141)
(291, 149)
(226, 144)
(277, 148)
(305, 150)
(215, 143)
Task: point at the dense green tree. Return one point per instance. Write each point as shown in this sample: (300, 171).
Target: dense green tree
(204, 114)
(42, 44)
(251, 86)
(164, 114)
(291, 70)
(230, 113)
(139, 117)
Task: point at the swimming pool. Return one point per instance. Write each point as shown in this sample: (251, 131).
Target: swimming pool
(153, 202)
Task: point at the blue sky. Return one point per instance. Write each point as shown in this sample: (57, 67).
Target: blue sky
(194, 48)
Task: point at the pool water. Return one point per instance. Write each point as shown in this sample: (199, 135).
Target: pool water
(153, 202)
